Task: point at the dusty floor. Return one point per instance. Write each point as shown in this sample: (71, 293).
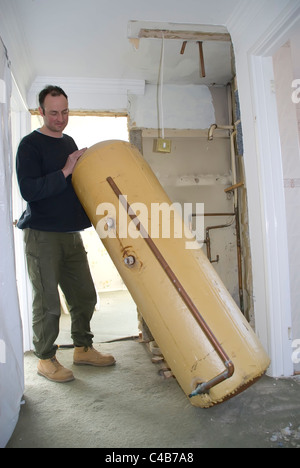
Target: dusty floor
(132, 406)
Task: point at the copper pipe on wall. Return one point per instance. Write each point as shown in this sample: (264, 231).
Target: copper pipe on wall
(193, 215)
(239, 259)
(183, 47)
(201, 53)
(217, 214)
(205, 386)
(203, 73)
(207, 241)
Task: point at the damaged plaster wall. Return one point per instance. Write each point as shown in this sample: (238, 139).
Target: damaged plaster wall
(184, 107)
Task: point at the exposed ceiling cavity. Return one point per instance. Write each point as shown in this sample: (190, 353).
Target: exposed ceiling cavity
(194, 54)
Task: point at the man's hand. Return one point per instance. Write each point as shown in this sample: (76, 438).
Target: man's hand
(72, 161)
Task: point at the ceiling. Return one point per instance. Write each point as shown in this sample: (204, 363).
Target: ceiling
(91, 39)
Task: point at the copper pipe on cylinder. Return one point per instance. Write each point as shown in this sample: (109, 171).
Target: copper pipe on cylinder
(205, 386)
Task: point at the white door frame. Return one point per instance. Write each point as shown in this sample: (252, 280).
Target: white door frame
(20, 123)
(277, 316)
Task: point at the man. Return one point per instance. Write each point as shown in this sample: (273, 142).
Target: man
(55, 253)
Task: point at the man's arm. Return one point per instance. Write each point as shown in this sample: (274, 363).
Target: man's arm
(35, 186)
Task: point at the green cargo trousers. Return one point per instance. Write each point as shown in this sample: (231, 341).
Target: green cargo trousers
(58, 258)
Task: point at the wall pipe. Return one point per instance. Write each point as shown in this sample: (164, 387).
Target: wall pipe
(207, 241)
(205, 386)
(233, 132)
(239, 259)
(235, 186)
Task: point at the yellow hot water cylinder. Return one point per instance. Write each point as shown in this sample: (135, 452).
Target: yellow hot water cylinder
(208, 344)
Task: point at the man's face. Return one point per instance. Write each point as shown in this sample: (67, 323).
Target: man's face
(55, 113)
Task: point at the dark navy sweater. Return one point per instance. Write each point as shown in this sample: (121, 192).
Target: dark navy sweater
(52, 204)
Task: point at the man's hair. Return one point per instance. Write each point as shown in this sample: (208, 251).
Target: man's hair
(53, 91)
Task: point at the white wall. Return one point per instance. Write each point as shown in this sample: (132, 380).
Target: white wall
(11, 359)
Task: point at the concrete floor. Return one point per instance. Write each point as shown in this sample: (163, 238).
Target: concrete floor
(132, 406)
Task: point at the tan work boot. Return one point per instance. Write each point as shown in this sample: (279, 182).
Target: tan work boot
(54, 371)
(91, 357)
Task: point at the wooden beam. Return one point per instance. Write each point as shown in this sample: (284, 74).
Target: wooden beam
(184, 35)
(87, 113)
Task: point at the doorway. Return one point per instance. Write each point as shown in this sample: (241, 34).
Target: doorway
(115, 315)
(88, 130)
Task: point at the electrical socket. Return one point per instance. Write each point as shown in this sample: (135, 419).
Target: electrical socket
(163, 145)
